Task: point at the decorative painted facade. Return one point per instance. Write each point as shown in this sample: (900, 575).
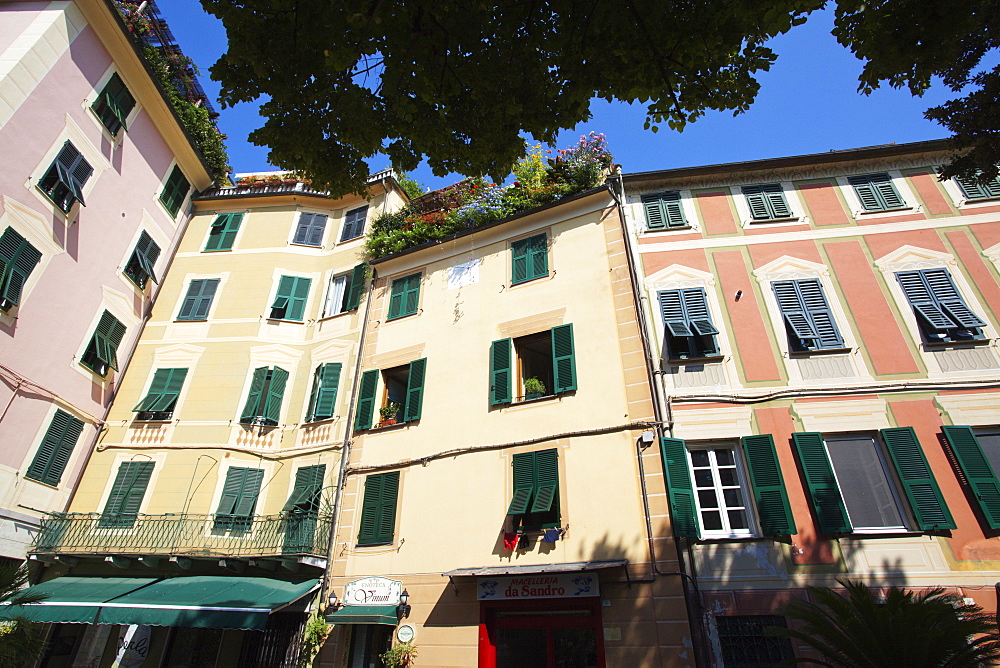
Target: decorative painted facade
(95, 184)
(826, 328)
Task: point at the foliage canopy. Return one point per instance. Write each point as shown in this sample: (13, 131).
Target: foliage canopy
(461, 83)
(858, 629)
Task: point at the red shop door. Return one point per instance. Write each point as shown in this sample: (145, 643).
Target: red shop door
(541, 634)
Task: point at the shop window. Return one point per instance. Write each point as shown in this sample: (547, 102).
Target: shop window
(536, 365)
(853, 488)
(744, 641)
(397, 392)
(534, 502)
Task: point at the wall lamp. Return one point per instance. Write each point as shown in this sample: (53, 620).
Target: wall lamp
(333, 600)
(404, 606)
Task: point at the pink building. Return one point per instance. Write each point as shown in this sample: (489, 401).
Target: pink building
(95, 182)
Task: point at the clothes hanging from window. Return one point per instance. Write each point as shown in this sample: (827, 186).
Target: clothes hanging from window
(509, 541)
(551, 535)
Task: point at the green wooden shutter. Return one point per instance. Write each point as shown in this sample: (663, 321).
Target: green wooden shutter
(290, 298)
(876, 192)
(415, 390)
(524, 482)
(807, 313)
(310, 229)
(114, 104)
(397, 298)
(919, 485)
(768, 486)
(104, 344)
(538, 256)
(305, 494)
(412, 295)
(696, 311)
(973, 189)
(354, 224)
(140, 265)
(247, 501)
(163, 391)
(275, 393)
(55, 449)
(794, 313)
(827, 502)
(324, 394)
(663, 210)
(250, 409)
(921, 299)
(223, 232)
(546, 480)
(366, 400)
(356, 287)
(378, 510)
(767, 201)
(500, 372)
(757, 203)
(563, 359)
(519, 261)
(198, 301)
(231, 490)
(174, 191)
(680, 488)
(17, 260)
(127, 492)
(943, 289)
(672, 312)
(979, 475)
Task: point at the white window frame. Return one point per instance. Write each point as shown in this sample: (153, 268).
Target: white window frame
(752, 529)
(331, 279)
(890, 477)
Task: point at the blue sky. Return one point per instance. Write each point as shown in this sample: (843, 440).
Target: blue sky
(808, 103)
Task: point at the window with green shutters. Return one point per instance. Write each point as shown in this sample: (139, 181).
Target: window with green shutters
(537, 365)
(809, 322)
(114, 104)
(974, 189)
(175, 190)
(663, 210)
(979, 467)
(876, 192)
(708, 488)
(223, 231)
(529, 259)
(263, 404)
(323, 400)
(290, 299)
(101, 353)
(125, 499)
(404, 296)
(239, 499)
(161, 399)
(344, 291)
(310, 228)
(687, 323)
(198, 300)
(139, 267)
(534, 503)
(354, 224)
(941, 312)
(305, 496)
(378, 509)
(17, 260)
(767, 201)
(55, 449)
(852, 489)
(401, 386)
(66, 177)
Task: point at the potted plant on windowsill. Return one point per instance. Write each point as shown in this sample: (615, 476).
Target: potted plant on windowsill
(533, 388)
(388, 413)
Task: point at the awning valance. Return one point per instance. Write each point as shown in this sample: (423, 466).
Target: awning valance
(198, 600)
(565, 567)
(364, 614)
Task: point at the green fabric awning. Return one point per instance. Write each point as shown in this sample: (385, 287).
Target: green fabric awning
(364, 614)
(207, 601)
(73, 600)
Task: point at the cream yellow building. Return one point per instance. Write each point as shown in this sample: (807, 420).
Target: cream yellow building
(510, 513)
(211, 486)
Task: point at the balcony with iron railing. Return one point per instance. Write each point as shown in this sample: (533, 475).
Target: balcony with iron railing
(277, 184)
(286, 536)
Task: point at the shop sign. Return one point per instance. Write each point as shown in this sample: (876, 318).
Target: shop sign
(133, 646)
(538, 585)
(405, 633)
(373, 591)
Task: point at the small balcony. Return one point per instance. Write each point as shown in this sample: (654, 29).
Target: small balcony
(303, 537)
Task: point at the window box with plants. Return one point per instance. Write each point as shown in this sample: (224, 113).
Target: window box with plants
(533, 389)
(389, 414)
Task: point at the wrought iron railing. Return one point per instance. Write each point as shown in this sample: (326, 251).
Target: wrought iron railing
(184, 535)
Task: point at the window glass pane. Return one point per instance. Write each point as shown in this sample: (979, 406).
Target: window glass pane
(703, 478)
(737, 519)
(712, 520)
(719, 494)
(699, 457)
(864, 483)
(707, 499)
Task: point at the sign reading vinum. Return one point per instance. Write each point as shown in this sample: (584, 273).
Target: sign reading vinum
(373, 591)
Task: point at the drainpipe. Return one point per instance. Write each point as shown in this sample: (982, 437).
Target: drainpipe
(345, 452)
(664, 419)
